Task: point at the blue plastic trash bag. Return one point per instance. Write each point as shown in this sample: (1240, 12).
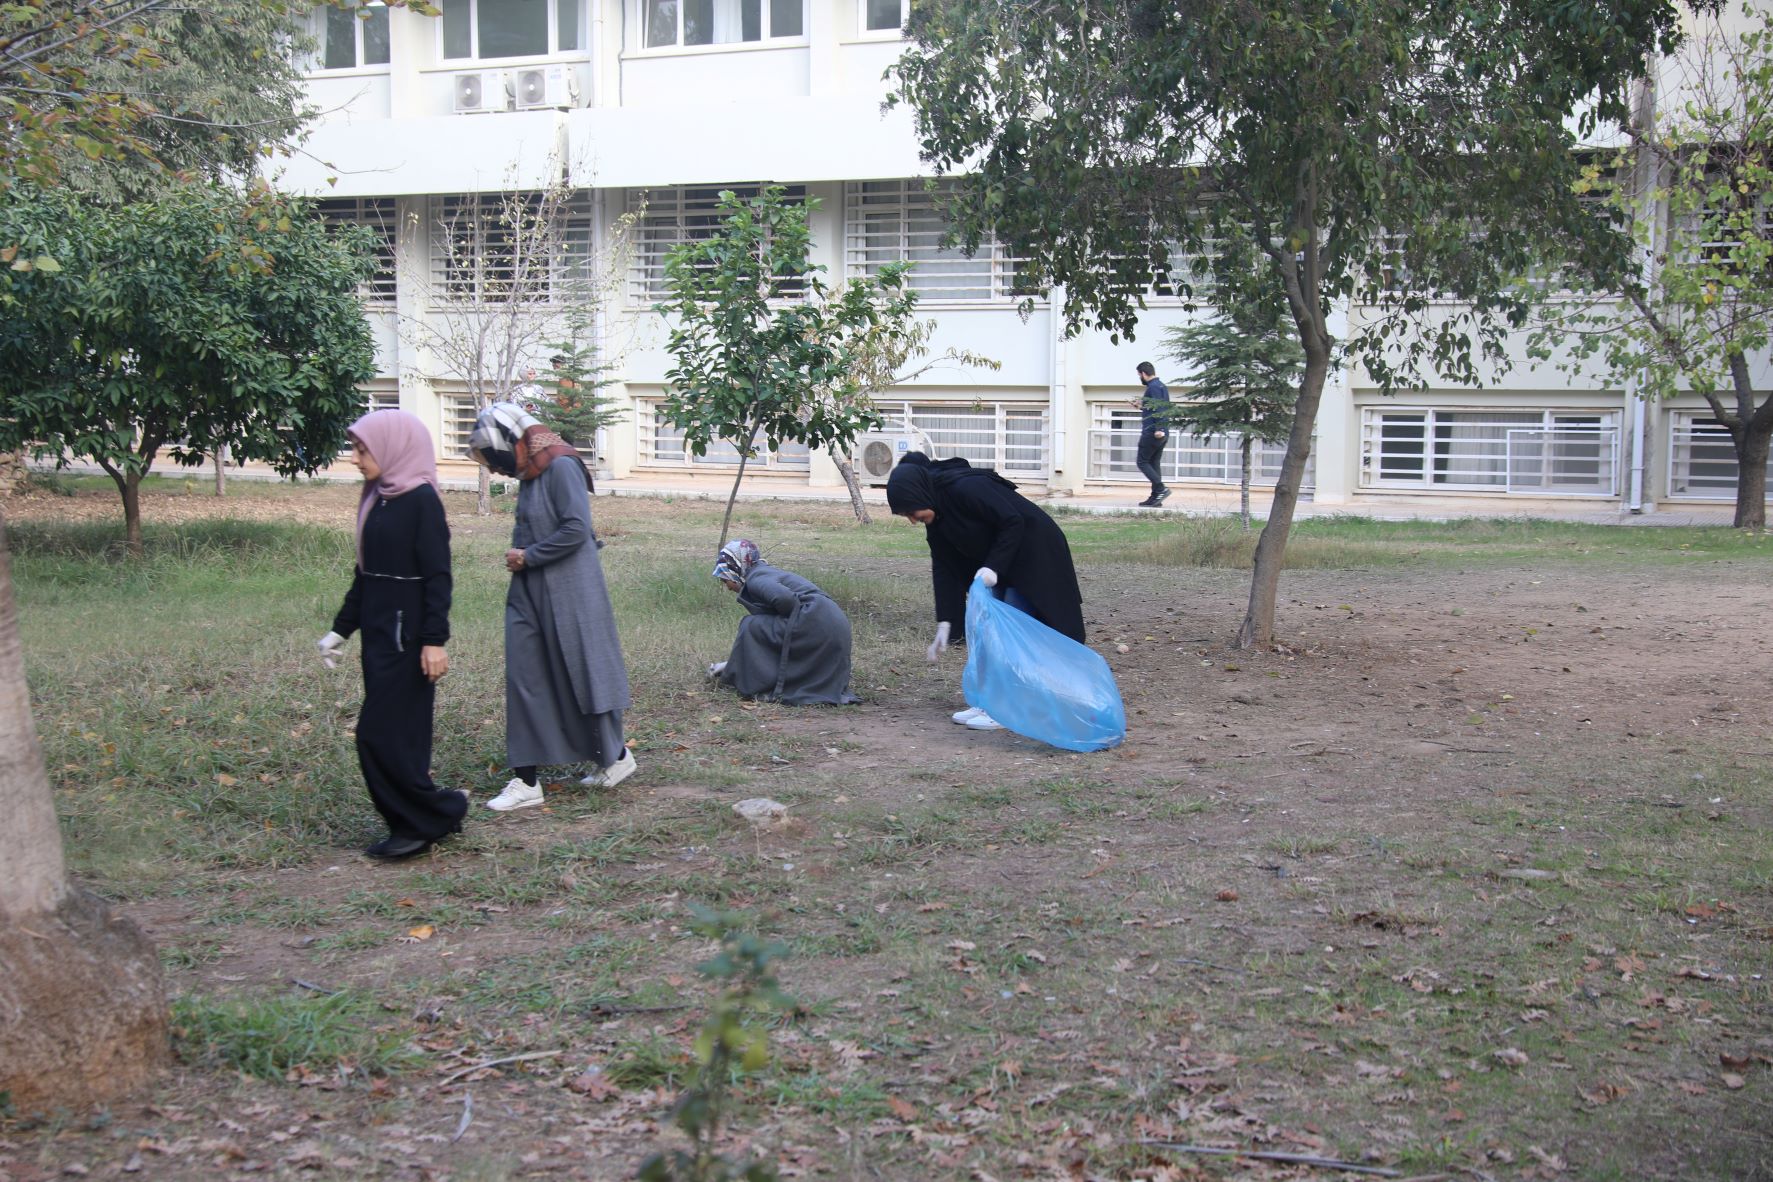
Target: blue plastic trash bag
(1038, 682)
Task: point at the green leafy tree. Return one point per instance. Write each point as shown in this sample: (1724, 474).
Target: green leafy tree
(118, 96)
(203, 319)
(892, 354)
(761, 345)
(1694, 182)
(1353, 148)
(577, 406)
(1246, 361)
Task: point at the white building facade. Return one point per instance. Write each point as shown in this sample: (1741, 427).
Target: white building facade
(656, 105)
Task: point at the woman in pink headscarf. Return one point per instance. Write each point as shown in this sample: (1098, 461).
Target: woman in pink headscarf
(399, 600)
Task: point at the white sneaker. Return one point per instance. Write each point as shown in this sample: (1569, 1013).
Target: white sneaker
(517, 795)
(962, 717)
(614, 774)
(983, 722)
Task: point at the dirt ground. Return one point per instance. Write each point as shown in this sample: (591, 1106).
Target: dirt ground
(1201, 922)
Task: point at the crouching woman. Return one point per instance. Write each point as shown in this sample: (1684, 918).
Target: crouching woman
(794, 646)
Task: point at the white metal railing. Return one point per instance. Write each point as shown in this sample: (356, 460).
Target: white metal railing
(1200, 459)
(1702, 463)
(1564, 461)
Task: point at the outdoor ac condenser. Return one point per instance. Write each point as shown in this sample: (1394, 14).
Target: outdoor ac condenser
(877, 451)
(546, 86)
(485, 90)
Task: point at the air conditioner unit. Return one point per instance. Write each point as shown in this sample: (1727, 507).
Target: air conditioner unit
(486, 90)
(546, 86)
(877, 451)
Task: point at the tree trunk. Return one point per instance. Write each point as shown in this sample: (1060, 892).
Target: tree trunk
(1751, 440)
(744, 458)
(1243, 485)
(850, 482)
(1258, 625)
(132, 514)
(129, 488)
(1751, 477)
(221, 470)
(82, 1008)
(483, 492)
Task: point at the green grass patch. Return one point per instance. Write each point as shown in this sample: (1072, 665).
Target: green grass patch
(273, 1036)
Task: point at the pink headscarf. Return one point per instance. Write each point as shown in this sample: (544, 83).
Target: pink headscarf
(402, 446)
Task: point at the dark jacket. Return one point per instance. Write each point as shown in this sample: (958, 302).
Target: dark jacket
(981, 520)
(400, 596)
(1154, 408)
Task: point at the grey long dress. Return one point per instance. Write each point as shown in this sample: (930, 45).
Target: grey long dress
(794, 647)
(565, 684)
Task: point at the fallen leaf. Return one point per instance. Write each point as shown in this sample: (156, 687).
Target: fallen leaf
(423, 932)
(1732, 1080)
(903, 1109)
(1511, 1057)
(1226, 896)
(1733, 1061)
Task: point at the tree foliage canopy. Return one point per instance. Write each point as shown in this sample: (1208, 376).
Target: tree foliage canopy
(116, 95)
(202, 319)
(1694, 184)
(1353, 148)
(760, 344)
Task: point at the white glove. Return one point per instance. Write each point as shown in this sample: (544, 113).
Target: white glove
(986, 575)
(328, 646)
(940, 643)
(715, 669)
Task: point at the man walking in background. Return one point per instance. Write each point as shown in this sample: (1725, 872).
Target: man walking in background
(1154, 433)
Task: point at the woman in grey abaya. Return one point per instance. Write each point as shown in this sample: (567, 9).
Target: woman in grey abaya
(565, 684)
(794, 647)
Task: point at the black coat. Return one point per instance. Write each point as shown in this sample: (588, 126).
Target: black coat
(982, 521)
(402, 599)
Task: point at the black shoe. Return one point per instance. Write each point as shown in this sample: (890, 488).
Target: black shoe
(1148, 503)
(394, 848)
(1159, 497)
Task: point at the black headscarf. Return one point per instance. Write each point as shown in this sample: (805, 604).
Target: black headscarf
(917, 480)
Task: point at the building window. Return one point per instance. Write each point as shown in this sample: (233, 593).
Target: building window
(1520, 451)
(511, 28)
(459, 413)
(901, 222)
(1199, 459)
(666, 23)
(667, 218)
(349, 38)
(661, 442)
(502, 247)
(884, 16)
(1011, 437)
(376, 214)
(1701, 458)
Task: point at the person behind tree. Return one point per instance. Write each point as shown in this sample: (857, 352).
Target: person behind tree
(794, 646)
(399, 599)
(565, 684)
(978, 525)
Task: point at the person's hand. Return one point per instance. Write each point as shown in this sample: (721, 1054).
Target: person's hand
(1159, 434)
(328, 647)
(514, 560)
(986, 575)
(940, 643)
(433, 661)
(715, 669)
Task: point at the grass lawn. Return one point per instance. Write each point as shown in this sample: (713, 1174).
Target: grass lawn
(1469, 878)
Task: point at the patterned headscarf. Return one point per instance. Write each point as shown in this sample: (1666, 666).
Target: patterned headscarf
(401, 445)
(510, 441)
(737, 559)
